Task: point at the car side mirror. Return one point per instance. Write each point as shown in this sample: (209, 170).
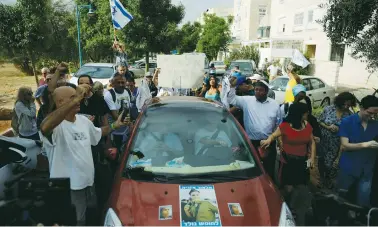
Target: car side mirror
(12, 155)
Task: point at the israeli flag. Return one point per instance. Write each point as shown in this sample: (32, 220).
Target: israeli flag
(120, 16)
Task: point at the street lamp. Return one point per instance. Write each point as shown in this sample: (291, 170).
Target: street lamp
(90, 13)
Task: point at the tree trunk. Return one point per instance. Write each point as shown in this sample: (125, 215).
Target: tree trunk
(32, 60)
(147, 61)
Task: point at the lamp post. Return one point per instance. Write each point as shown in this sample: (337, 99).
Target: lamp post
(90, 13)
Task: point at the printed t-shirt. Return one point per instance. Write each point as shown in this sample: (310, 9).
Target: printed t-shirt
(69, 151)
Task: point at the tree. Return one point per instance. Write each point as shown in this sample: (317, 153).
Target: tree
(97, 33)
(354, 23)
(154, 28)
(247, 53)
(215, 36)
(35, 31)
(190, 35)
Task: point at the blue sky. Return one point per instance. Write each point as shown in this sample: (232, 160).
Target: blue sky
(193, 8)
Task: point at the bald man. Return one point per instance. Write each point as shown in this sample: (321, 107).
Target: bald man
(67, 138)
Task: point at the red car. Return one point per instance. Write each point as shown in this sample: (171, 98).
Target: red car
(189, 163)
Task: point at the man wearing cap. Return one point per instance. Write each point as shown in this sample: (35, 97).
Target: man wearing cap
(262, 115)
(151, 85)
(256, 77)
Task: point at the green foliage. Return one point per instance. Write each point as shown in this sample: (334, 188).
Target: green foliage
(154, 28)
(246, 53)
(354, 23)
(215, 36)
(31, 30)
(190, 35)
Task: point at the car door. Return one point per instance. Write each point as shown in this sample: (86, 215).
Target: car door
(307, 84)
(318, 91)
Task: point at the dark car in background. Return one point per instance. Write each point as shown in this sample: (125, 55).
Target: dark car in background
(247, 67)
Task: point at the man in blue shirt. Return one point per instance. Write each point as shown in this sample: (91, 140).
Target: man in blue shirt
(359, 150)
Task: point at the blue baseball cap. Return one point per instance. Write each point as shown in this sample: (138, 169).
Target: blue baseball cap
(298, 89)
(241, 80)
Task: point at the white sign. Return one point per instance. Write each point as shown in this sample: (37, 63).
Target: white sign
(181, 71)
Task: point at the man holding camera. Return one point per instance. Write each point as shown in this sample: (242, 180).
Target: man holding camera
(68, 138)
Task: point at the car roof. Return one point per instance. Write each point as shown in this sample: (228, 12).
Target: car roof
(184, 101)
(242, 61)
(302, 77)
(110, 65)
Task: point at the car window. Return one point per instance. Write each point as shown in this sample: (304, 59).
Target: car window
(218, 63)
(243, 66)
(317, 84)
(200, 137)
(279, 84)
(307, 84)
(96, 72)
(152, 65)
(142, 65)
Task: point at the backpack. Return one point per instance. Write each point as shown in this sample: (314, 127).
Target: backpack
(112, 92)
(15, 122)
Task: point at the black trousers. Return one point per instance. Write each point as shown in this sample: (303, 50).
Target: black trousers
(269, 162)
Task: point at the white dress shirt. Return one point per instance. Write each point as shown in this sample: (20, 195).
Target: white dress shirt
(260, 118)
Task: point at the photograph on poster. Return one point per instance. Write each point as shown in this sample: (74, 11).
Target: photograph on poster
(235, 209)
(165, 212)
(199, 206)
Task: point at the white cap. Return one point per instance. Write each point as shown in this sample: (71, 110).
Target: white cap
(256, 77)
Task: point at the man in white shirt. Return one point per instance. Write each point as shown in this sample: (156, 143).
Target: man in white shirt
(273, 71)
(262, 115)
(118, 99)
(67, 138)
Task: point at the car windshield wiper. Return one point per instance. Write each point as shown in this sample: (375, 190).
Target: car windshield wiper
(200, 178)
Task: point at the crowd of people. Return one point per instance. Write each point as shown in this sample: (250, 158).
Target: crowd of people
(85, 127)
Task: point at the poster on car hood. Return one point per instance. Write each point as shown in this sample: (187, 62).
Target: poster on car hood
(199, 206)
(181, 71)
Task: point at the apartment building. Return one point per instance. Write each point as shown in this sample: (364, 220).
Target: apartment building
(294, 24)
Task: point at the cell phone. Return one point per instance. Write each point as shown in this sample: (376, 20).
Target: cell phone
(126, 111)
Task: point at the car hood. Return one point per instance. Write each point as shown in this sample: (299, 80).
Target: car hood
(137, 203)
(74, 79)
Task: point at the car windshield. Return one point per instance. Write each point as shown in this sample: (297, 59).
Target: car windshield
(243, 66)
(279, 84)
(184, 140)
(96, 72)
(218, 63)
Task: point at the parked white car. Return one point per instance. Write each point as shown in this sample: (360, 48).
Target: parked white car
(318, 91)
(101, 72)
(139, 69)
(220, 67)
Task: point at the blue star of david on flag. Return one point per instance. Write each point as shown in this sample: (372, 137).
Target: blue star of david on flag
(120, 16)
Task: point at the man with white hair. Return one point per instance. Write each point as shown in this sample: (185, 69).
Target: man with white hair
(44, 73)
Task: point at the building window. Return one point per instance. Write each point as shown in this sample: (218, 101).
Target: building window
(298, 19)
(337, 53)
(310, 17)
(281, 24)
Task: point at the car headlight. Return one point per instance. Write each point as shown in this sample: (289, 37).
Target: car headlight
(111, 219)
(286, 218)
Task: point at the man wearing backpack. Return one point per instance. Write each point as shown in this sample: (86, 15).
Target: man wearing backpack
(118, 99)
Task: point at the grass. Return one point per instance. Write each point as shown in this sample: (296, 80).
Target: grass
(11, 79)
